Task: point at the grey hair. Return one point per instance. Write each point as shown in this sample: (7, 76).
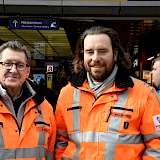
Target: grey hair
(16, 46)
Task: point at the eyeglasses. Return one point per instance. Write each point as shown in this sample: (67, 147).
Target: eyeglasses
(9, 65)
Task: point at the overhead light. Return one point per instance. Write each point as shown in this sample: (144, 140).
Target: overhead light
(150, 58)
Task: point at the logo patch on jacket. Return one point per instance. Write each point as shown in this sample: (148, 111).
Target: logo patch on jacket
(156, 120)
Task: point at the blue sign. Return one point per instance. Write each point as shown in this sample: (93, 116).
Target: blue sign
(3, 22)
(33, 24)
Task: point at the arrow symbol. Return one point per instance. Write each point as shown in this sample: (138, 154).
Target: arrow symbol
(53, 25)
(15, 23)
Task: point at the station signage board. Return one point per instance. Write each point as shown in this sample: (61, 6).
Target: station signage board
(33, 23)
(50, 68)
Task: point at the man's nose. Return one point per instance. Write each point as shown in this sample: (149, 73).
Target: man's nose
(14, 67)
(95, 55)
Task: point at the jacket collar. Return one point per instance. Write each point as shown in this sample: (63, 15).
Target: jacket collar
(122, 80)
(36, 91)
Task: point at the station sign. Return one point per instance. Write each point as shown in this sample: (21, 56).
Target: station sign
(3, 22)
(50, 68)
(33, 24)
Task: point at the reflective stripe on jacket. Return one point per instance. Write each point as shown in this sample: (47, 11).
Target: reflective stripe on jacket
(35, 140)
(117, 125)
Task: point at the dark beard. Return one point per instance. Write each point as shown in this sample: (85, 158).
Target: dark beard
(101, 78)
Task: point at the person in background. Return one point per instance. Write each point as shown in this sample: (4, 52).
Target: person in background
(156, 74)
(27, 123)
(104, 113)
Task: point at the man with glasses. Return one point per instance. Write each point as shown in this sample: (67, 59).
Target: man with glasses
(27, 124)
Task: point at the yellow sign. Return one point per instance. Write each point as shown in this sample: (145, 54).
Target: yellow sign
(49, 81)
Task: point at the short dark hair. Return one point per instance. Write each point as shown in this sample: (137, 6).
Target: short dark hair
(123, 59)
(16, 46)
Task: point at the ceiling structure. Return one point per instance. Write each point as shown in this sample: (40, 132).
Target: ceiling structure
(134, 34)
(48, 43)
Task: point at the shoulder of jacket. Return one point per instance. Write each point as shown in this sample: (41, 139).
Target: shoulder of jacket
(139, 82)
(46, 108)
(142, 86)
(68, 88)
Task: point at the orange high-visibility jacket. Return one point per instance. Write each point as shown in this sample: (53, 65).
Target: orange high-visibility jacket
(30, 135)
(121, 124)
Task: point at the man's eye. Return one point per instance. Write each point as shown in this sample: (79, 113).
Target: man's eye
(89, 52)
(102, 51)
(20, 65)
(8, 64)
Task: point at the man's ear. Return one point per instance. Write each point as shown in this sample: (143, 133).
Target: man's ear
(28, 72)
(115, 55)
